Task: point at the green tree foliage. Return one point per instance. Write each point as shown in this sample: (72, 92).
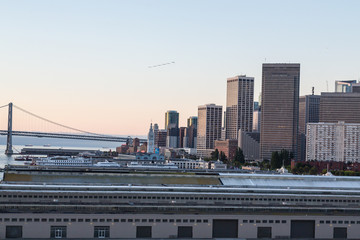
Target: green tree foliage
(223, 157)
(215, 155)
(239, 158)
(280, 158)
(304, 169)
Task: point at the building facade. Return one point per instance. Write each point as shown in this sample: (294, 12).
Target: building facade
(333, 142)
(249, 142)
(209, 128)
(309, 109)
(151, 142)
(344, 86)
(239, 105)
(228, 147)
(279, 108)
(336, 107)
(171, 119)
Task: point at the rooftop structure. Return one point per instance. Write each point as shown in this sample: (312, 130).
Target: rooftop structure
(183, 205)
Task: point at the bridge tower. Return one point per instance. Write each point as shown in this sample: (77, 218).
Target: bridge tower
(9, 150)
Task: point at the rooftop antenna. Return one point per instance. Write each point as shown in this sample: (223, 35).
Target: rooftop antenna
(312, 90)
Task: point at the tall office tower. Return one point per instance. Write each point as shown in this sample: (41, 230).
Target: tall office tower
(309, 109)
(344, 86)
(209, 128)
(171, 119)
(336, 107)
(156, 130)
(191, 132)
(150, 142)
(279, 108)
(239, 105)
(192, 121)
(182, 137)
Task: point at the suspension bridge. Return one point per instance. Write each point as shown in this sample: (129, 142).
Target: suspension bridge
(79, 134)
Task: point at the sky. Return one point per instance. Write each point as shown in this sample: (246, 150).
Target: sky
(85, 64)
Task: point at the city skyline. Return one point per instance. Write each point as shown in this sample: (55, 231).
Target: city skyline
(86, 64)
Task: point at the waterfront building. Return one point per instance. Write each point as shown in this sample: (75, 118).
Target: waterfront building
(179, 205)
(228, 147)
(279, 108)
(344, 86)
(209, 128)
(183, 163)
(336, 107)
(333, 142)
(249, 142)
(171, 119)
(309, 110)
(150, 142)
(239, 105)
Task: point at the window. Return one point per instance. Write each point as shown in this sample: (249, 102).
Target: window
(101, 231)
(58, 232)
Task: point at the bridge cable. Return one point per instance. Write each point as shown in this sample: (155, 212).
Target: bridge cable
(58, 124)
(5, 106)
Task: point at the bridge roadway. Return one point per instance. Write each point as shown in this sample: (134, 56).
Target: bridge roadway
(69, 136)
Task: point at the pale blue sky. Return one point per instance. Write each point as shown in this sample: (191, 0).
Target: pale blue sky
(85, 63)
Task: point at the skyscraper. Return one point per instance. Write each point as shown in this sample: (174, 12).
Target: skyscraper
(239, 105)
(209, 128)
(279, 108)
(171, 119)
(309, 108)
(192, 121)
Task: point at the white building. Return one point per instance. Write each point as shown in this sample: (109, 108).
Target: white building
(333, 142)
(151, 145)
(190, 164)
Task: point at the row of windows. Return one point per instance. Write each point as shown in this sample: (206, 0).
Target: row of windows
(263, 221)
(102, 220)
(338, 222)
(182, 198)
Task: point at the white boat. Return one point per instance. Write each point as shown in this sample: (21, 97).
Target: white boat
(106, 163)
(64, 161)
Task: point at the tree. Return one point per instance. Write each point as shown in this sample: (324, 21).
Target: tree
(215, 155)
(223, 157)
(239, 157)
(275, 160)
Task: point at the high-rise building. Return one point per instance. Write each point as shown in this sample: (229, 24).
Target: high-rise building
(239, 105)
(182, 137)
(336, 107)
(279, 108)
(344, 86)
(192, 121)
(333, 142)
(209, 128)
(309, 109)
(171, 119)
(160, 138)
(191, 132)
